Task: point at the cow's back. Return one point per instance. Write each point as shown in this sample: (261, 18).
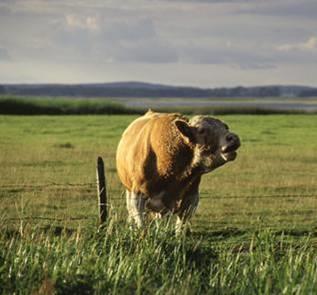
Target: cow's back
(151, 152)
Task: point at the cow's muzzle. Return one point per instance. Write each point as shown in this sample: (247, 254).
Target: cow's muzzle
(228, 151)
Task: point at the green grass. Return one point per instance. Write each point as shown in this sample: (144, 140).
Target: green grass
(120, 261)
(255, 230)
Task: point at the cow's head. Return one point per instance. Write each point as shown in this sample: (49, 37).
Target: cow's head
(214, 144)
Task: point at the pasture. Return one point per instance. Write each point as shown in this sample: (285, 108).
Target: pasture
(255, 230)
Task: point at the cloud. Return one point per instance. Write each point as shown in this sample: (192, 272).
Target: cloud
(232, 55)
(135, 41)
(309, 45)
(185, 39)
(210, 1)
(151, 52)
(4, 55)
(285, 8)
(129, 41)
(83, 22)
(133, 30)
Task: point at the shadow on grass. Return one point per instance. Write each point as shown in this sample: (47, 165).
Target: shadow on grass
(225, 233)
(297, 233)
(58, 230)
(75, 284)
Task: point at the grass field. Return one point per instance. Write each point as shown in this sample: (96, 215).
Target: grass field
(254, 232)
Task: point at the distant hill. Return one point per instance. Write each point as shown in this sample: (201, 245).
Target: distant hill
(148, 90)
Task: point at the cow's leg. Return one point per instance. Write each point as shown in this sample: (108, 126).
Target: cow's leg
(128, 195)
(187, 210)
(135, 206)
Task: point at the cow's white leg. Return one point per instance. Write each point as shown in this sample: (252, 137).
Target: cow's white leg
(179, 225)
(187, 212)
(135, 206)
(127, 194)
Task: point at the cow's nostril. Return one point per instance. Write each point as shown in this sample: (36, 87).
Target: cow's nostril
(230, 137)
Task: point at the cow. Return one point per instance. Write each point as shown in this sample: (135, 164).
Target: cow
(161, 158)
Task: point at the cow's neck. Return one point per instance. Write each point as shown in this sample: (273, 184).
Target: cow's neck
(200, 163)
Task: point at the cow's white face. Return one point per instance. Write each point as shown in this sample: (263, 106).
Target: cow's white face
(215, 145)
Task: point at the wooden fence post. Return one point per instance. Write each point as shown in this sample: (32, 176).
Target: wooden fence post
(101, 191)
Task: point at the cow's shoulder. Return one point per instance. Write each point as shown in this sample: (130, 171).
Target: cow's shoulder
(169, 147)
(152, 151)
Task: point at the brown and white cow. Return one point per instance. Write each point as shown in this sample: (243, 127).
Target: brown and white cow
(161, 158)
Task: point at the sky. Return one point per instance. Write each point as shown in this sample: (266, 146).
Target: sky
(205, 43)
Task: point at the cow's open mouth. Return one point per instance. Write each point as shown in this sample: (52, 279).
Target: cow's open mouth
(228, 152)
(229, 156)
(230, 148)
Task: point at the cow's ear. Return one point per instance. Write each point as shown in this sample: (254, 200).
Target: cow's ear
(185, 129)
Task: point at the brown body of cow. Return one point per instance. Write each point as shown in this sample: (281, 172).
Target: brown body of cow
(161, 158)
